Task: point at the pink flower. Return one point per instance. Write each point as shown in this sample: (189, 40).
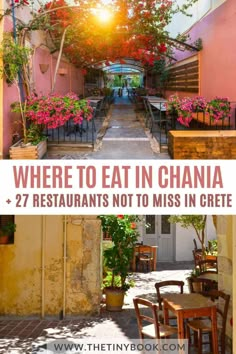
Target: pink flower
(55, 110)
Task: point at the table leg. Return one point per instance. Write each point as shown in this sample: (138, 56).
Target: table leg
(154, 256)
(134, 261)
(214, 330)
(181, 334)
(166, 314)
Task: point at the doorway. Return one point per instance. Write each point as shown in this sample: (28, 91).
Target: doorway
(160, 233)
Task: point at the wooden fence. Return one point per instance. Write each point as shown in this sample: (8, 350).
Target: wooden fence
(184, 78)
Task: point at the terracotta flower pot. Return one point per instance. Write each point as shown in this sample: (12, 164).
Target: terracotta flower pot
(4, 239)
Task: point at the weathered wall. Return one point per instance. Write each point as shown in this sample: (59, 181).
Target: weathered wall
(36, 267)
(84, 265)
(226, 237)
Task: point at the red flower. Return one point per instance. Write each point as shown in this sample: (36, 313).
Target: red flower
(120, 216)
(133, 225)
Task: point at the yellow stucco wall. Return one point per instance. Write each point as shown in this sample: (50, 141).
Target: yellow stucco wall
(20, 269)
(84, 265)
(32, 276)
(1, 92)
(234, 281)
(226, 237)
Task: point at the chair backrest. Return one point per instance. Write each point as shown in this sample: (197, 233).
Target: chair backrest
(208, 265)
(151, 317)
(145, 105)
(149, 107)
(168, 283)
(222, 300)
(195, 244)
(201, 285)
(145, 250)
(197, 256)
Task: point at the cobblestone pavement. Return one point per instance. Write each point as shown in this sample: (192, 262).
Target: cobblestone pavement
(18, 336)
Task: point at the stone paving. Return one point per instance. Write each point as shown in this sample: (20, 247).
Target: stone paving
(122, 136)
(17, 336)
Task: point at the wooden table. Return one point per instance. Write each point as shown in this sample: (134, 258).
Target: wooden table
(161, 106)
(94, 98)
(154, 98)
(190, 306)
(157, 100)
(154, 255)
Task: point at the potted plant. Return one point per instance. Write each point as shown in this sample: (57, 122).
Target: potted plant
(6, 231)
(197, 286)
(218, 109)
(186, 108)
(15, 59)
(213, 247)
(118, 257)
(198, 107)
(212, 250)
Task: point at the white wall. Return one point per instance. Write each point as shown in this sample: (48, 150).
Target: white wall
(201, 8)
(184, 240)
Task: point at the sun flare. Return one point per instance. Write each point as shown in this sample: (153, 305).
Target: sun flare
(104, 15)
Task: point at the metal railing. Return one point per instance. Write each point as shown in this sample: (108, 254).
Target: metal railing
(71, 133)
(84, 133)
(160, 122)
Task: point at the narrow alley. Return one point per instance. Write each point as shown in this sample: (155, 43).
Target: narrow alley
(122, 135)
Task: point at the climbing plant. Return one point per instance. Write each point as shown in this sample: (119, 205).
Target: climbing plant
(133, 29)
(91, 32)
(14, 57)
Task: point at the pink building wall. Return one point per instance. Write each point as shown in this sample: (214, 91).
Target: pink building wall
(72, 81)
(218, 56)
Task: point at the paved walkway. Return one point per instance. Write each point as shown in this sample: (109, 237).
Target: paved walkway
(17, 336)
(122, 136)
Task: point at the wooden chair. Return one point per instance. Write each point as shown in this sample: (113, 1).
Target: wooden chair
(144, 257)
(203, 326)
(201, 285)
(197, 257)
(154, 118)
(146, 114)
(208, 265)
(195, 244)
(179, 287)
(101, 108)
(154, 329)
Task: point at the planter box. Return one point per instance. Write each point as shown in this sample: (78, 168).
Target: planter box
(31, 152)
(205, 120)
(202, 144)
